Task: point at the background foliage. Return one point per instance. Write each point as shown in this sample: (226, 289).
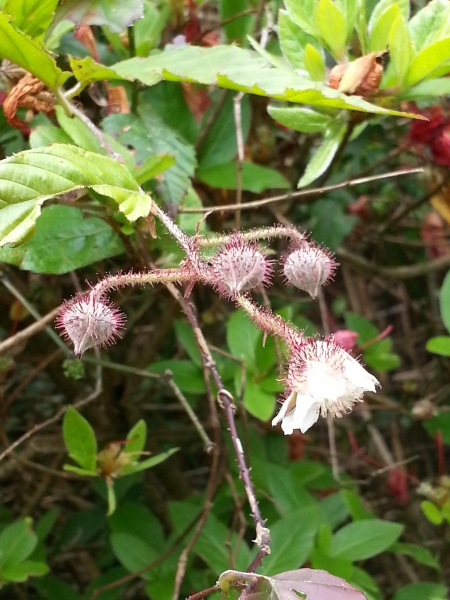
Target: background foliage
(206, 104)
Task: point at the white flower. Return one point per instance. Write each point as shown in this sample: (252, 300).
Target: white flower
(322, 377)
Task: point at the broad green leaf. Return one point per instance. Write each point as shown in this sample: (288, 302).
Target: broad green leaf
(187, 376)
(242, 337)
(148, 463)
(380, 34)
(53, 38)
(383, 5)
(153, 166)
(349, 9)
(64, 241)
(422, 555)
(31, 16)
(51, 588)
(400, 47)
(332, 27)
(363, 539)
(135, 519)
(440, 423)
(136, 439)
(236, 29)
(299, 119)
(355, 505)
(330, 224)
(44, 135)
(364, 582)
(88, 71)
(79, 438)
(292, 540)
(220, 146)
(444, 300)
(314, 63)
(148, 30)
(17, 542)
(322, 157)
(254, 178)
(259, 403)
(430, 24)
(20, 49)
(22, 571)
(428, 60)
(30, 178)
(421, 591)
(131, 551)
(432, 512)
(244, 70)
(116, 15)
(187, 340)
(303, 14)
(293, 40)
(429, 88)
(79, 132)
(439, 345)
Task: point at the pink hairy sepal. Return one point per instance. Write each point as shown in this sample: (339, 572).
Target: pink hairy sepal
(309, 266)
(238, 267)
(89, 321)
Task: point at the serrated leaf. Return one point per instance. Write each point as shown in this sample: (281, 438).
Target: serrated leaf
(293, 40)
(333, 28)
(30, 178)
(430, 24)
(136, 438)
(299, 119)
(428, 60)
(302, 14)
(79, 438)
(324, 154)
(31, 16)
(244, 70)
(22, 50)
(88, 71)
(44, 135)
(64, 241)
(365, 538)
(115, 14)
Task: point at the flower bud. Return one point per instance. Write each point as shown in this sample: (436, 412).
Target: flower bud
(239, 267)
(308, 267)
(89, 322)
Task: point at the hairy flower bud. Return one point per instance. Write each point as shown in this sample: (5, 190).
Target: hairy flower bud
(309, 267)
(239, 267)
(89, 322)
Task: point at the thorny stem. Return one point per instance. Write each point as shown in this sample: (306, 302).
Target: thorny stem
(280, 231)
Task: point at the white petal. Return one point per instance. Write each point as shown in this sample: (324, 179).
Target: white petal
(310, 418)
(288, 404)
(302, 413)
(324, 383)
(287, 424)
(358, 376)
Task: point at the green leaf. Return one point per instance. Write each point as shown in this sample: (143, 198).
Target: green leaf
(430, 24)
(17, 542)
(148, 463)
(427, 61)
(314, 63)
(64, 241)
(88, 71)
(187, 376)
(111, 497)
(361, 26)
(131, 551)
(363, 539)
(80, 471)
(20, 49)
(22, 571)
(439, 345)
(147, 31)
(355, 505)
(400, 47)
(440, 423)
(44, 135)
(379, 36)
(186, 338)
(153, 166)
(136, 438)
(350, 10)
(430, 88)
(135, 519)
(299, 119)
(329, 223)
(78, 131)
(383, 5)
(237, 29)
(116, 15)
(421, 591)
(292, 540)
(332, 27)
(431, 512)
(303, 13)
(422, 555)
(242, 337)
(32, 17)
(324, 154)
(293, 40)
(444, 301)
(79, 438)
(254, 178)
(244, 70)
(30, 178)
(259, 403)
(364, 582)
(51, 588)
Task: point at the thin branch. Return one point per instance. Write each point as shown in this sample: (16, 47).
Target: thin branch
(309, 195)
(29, 331)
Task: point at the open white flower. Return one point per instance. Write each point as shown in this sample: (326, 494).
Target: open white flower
(322, 377)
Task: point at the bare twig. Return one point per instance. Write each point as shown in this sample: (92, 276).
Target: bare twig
(28, 332)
